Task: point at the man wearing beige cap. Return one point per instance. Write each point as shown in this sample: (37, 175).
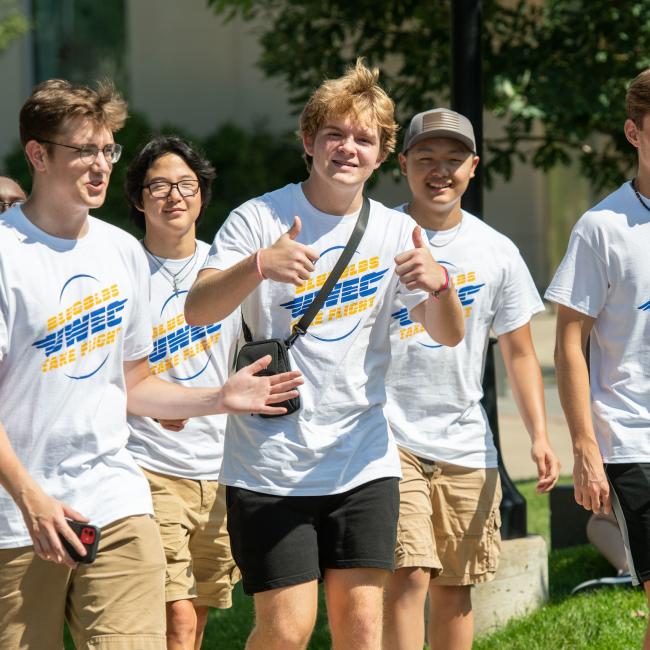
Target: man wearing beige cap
(448, 532)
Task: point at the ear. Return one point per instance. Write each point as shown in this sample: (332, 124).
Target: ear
(37, 155)
(631, 133)
(380, 159)
(475, 161)
(308, 144)
(402, 163)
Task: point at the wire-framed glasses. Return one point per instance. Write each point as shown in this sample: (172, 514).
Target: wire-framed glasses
(89, 152)
(162, 189)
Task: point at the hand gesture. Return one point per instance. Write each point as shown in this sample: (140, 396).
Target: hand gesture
(548, 465)
(246, 393)
(288, 260)
(417, 269)
(46, 518)
(590, 484)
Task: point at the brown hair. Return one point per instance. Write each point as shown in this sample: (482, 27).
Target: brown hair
(356, 93)
(54, 101)
(638, 98)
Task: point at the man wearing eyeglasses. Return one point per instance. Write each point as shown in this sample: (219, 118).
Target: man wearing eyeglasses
(11, 194)
(75, 334)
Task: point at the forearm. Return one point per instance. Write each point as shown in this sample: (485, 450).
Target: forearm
(153, 397)
(442, 318)
(573, 386)
(13, 475)
(216, 294)
(525, 379)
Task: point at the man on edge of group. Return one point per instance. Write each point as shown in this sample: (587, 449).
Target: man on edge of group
(602, 289)
(75, 334)
(11, 194)
(314, 494)
(448, 532)
(168, 186)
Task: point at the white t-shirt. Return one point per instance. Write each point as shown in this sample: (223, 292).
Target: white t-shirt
(605, 274)
(339, 438)
(189, 356)
(434, 392)
(71, 313)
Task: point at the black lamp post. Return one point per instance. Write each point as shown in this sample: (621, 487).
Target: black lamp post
(467, 98)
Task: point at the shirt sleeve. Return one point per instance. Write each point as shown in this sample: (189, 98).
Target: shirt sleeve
(581, 281)
(138, 341)
(518, 299)
(238, 238)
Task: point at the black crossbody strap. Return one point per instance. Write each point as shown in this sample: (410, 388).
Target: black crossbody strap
(248, 337)
(301, 326)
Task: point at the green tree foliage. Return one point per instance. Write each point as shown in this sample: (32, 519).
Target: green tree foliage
(248, 163)
(12, 23)
(555, 72)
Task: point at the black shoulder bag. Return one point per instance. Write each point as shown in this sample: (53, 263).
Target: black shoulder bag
(279, 349)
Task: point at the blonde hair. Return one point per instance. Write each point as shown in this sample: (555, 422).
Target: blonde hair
(637, 98)
(55, 101)
(356, 93)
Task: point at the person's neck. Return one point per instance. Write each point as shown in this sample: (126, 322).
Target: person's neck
(642, 183)
(171, 249)
(436, 220)
(62, 222)
(337, 201)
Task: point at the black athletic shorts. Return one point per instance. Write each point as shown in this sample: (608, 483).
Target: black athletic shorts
(630, 491)
(278, 541)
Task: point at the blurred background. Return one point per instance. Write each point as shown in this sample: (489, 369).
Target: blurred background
(231, 75)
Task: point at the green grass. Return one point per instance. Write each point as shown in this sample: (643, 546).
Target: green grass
(608, 619)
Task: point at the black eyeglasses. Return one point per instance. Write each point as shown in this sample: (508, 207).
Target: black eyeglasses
(5, 205)
(162, 189)
(89, 152)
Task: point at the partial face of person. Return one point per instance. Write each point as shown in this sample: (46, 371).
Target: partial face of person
(171, 197)
(70, 174)
(10, 193)
(438, 171)
(345, 150)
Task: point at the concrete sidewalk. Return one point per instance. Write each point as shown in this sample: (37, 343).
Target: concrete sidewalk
(515, 443)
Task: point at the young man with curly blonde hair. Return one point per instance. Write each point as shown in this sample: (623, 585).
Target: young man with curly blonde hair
(313, 495)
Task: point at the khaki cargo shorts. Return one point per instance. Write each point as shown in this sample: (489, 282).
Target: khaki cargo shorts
(191, 516)
(449, 520)
(116, 603)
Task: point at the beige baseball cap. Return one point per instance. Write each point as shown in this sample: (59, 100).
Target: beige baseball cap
(439, 123)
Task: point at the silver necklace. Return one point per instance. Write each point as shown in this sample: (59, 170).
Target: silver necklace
(173, 278)
(451, 239)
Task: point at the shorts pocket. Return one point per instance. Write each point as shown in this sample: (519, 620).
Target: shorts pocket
(491, 543)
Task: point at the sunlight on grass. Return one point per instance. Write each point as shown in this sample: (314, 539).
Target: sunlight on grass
(609, 619)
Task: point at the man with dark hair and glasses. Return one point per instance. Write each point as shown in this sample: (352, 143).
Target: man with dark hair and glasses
(168, 188)
(11, 194)
(75, 335)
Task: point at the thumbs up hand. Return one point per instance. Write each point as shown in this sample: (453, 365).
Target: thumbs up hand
(418, 240)
(288, 260)
(417, 269)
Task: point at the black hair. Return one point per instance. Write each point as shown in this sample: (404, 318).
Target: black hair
(145, 158)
